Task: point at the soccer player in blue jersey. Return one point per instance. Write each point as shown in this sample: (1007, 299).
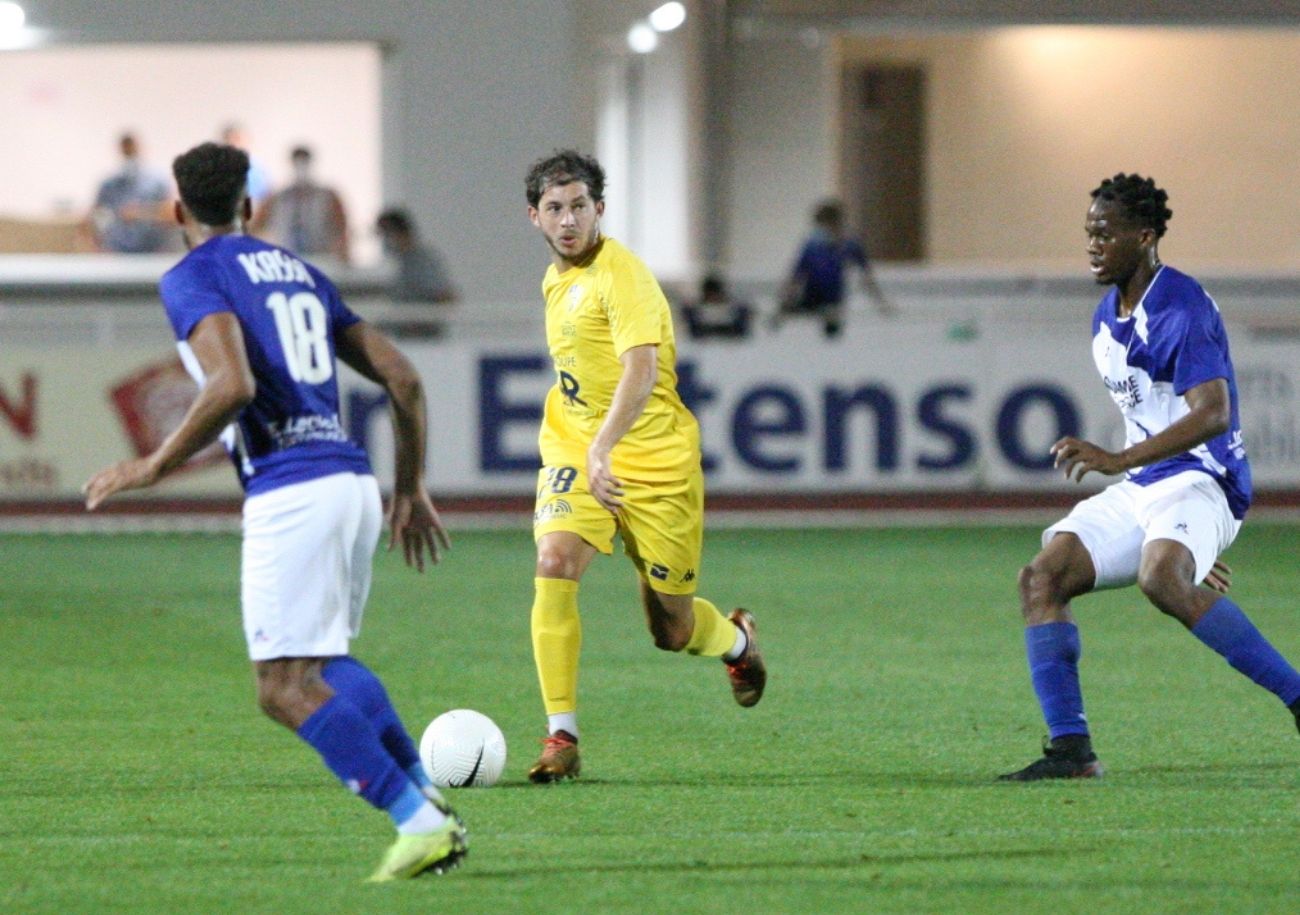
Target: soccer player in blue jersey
(1160, 346)
(260, 331)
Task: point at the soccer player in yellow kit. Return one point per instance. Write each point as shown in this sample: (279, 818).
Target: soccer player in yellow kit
(620, 453)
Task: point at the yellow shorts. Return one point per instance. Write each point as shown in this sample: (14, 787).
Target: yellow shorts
(662, 523)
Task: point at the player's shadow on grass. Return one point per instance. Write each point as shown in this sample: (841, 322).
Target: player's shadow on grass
(781, 865)
(1228, 773)
(781, 780)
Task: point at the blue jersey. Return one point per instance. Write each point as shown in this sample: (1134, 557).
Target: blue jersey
(1173, 341)
(822, 262)
(290, 315)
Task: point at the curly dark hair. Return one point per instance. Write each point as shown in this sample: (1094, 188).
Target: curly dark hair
(562, 167)
(212, 179)
(1140, 199)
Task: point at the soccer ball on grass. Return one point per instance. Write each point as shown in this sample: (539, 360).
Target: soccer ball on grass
(463, 748)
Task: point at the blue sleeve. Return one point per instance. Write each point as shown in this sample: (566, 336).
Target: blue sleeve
(191, 293)
(1201, 354)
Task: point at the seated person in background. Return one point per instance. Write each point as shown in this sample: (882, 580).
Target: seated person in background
(716, 314)
(259, 180)
(816, 285)
(130, 215)
(421, 276)
(306, 217)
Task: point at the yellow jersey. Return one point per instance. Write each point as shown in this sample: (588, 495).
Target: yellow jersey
(594, 314)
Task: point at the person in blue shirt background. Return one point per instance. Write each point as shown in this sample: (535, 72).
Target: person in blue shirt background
(260, 331)
(817, 284)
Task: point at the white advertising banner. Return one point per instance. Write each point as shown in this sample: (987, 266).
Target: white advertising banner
(891, 406)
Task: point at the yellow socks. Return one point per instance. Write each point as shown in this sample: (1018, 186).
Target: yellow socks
(714, 634)
(557, 640)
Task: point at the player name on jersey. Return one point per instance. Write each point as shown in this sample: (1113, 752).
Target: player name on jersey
(273, 266)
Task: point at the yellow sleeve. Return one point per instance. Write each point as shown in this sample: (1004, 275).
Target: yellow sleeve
(633, 303)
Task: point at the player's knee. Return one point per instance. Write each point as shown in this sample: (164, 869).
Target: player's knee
(1164, 590)
(1039, 588)
(556, 564)
(273, 702)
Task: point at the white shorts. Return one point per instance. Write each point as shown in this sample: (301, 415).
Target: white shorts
(306, 565)
(1119, 521)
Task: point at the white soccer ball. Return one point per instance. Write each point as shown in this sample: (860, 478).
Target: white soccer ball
(463, 748)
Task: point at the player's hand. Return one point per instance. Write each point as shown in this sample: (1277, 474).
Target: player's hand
(1079, 458)
(606, 487)
(1219, 579)
(414, 523)
(136, 473)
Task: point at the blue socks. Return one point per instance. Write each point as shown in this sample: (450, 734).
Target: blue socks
(1053, 651)
(352, 751)
(354, 681)
(362, 741)
(1227, 630)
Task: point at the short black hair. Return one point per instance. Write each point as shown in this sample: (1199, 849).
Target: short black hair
(562, 167)
(829, 213)
(1139, 198)
(300, 152)
(395, 220)
(212, 179)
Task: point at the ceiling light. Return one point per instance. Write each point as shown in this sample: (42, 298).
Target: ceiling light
(668, 17)
(12, 17)
(642, 38)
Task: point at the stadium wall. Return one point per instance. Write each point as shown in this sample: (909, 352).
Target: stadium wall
(471, 93)
(962, 413)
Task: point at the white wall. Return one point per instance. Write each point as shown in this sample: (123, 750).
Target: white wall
(473, 92)
(781, 153)
(1023, 122)
(65, 107)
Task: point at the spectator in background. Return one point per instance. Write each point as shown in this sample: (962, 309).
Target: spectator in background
(306, 217)
(259, 179)
(716, 314)
(421, 277)
(130, 215)
(816, 286)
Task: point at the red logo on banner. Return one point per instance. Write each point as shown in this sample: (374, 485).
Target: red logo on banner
(21, 415)
(151, 403)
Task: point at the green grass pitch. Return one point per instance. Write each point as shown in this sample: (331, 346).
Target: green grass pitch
(138, 775)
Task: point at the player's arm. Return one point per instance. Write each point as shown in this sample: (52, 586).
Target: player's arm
(1209, 414)
(218, 344)
(640, 371)
(884, 305)
(413, 519)
(869, 284)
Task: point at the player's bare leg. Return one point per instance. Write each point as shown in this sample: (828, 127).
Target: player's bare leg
(290, 690)
(1167, 576)
(684, 622)
(1061, 571)
(562, 558)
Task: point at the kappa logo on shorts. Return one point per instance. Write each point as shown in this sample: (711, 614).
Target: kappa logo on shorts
(689, 576)
(552, 510)
(260, 636)
(659, 572)
(1181, 526)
